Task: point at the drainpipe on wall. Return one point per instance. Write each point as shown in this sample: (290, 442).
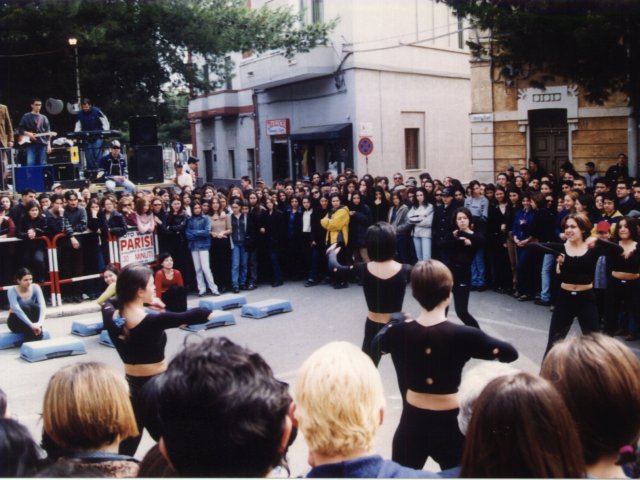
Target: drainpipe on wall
(632, 145)
(256, 141)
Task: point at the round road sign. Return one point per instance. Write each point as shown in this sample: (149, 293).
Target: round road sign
(365, 146)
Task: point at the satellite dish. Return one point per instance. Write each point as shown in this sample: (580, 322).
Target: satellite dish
(54, 106)
(73, 108)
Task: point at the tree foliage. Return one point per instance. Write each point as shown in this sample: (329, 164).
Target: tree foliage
(594, 43)
(133, 51)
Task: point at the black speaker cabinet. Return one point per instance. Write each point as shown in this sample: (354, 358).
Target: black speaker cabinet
(146, 164)
(143, 130)
(38, 177)
(67, 171)
(59, 155)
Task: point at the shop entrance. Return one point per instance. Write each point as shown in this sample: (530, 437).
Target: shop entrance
(318, 149)
(280, 160)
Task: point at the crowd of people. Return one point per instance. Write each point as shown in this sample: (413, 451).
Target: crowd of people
(569, 243)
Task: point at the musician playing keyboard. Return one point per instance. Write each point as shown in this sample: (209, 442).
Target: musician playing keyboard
(32, 125)
(91, 119)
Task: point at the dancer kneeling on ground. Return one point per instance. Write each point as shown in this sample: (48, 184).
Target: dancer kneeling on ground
(429, 354)
(340, 429)
(384, 282)
(28, 308)
(139, 337)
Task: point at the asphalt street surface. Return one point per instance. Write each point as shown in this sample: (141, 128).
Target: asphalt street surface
(320, 315)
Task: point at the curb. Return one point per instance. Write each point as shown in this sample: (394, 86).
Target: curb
(62, 311)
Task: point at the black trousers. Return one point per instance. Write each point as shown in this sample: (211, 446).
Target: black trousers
(461, 304)
(136, 388)
(371, 329)
(427, 433)
(175, 298)
(570, 305)
(18, 326)
(622, 296)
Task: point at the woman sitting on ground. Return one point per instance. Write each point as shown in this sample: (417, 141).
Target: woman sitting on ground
(170, 285)
(27, 306)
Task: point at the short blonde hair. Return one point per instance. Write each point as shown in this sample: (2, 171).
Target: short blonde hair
(87, 406)
(339, 397)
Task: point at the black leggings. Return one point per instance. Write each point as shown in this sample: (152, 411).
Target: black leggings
(461, 303)
(136, 387)
(18, 326)
(427, 433)
(568, 306)
(620, 296)
(371, 329)
(175, 298)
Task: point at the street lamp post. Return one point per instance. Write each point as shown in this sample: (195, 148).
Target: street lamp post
(73, 42)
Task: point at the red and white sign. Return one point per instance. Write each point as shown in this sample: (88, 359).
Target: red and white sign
(278, 126)
(136, 248)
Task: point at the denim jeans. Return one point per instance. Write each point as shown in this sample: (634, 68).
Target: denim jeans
(92, 153)
(36, 154)
(548, 262)
(423, 247)
(477, 269)
(239, 260)
(127, 184)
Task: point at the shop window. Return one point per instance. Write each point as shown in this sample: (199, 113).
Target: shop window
(411, 150)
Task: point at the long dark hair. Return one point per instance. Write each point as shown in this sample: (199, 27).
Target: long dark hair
(132, 278)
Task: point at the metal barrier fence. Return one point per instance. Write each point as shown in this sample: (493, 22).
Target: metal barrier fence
(117, 252)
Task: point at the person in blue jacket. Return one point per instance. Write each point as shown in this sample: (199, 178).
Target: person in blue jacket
(199, 240)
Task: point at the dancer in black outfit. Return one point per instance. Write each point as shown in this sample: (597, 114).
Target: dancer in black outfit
(384, 283)
(429, 354)
(577, 259)
(623, 286)
(462, 245)
(140, 338)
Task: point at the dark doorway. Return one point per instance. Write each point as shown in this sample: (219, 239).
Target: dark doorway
(280, 160)
(549, 138)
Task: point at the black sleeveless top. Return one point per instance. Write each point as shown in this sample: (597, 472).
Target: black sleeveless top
(384, 295)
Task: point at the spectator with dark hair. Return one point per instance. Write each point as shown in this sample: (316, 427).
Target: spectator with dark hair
(223, 412)
(4, 405)
(398, 219)
(17, 211)
(359, 221)
(19, 453)
(31, 226)
(197, 233)
(70, 247)
(618, 171)
(271, 229)
(241, 231)
(521, 429)
(421, 217)
(170, 285)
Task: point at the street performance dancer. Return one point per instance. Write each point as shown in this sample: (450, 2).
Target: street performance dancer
(139, 337)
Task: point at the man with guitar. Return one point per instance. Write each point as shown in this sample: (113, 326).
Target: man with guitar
(35, 131)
